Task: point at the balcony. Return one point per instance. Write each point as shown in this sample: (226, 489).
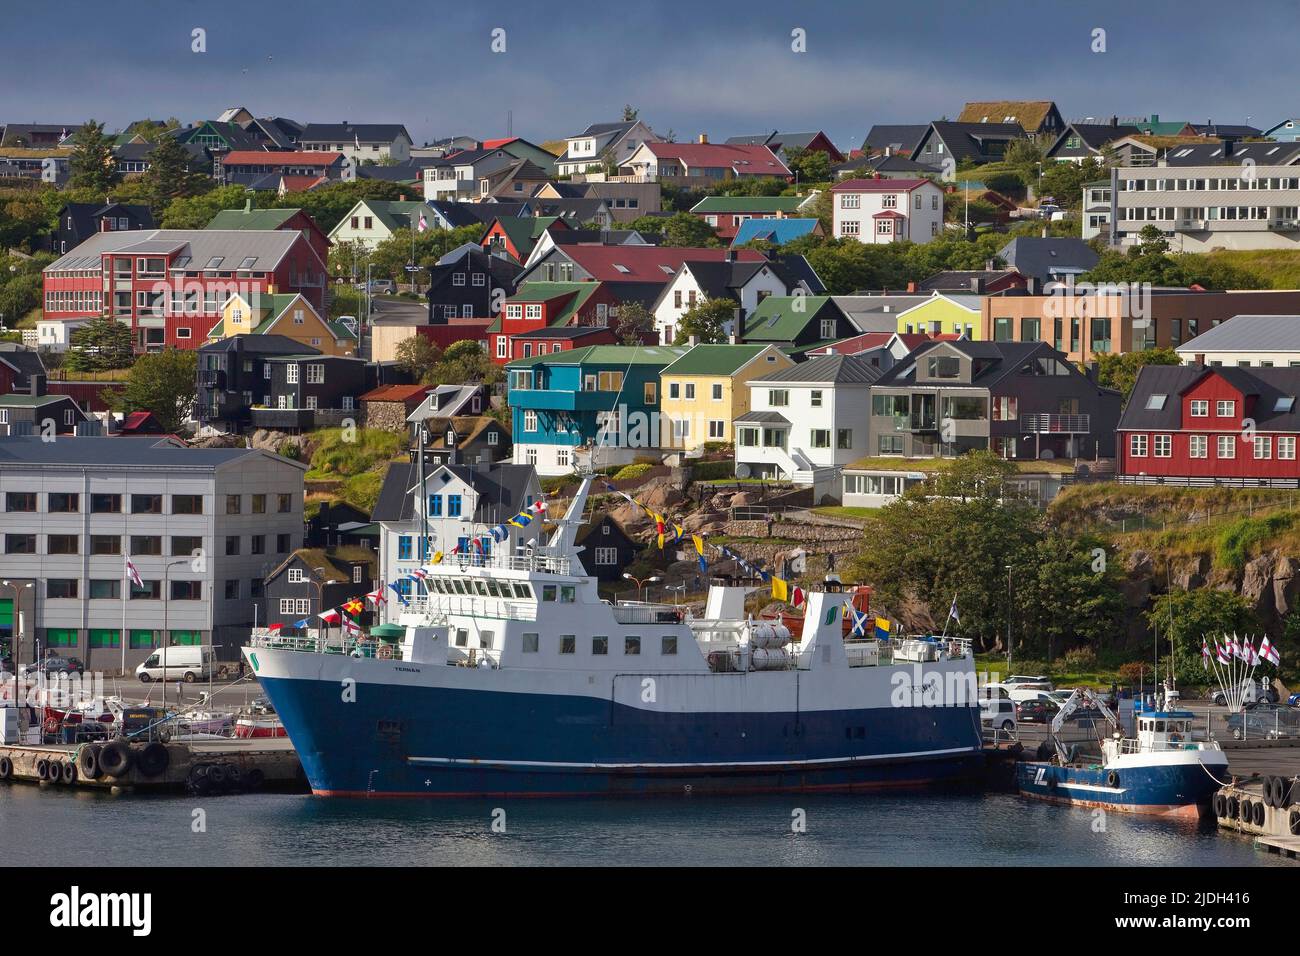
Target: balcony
(1190, 225)
(212, 378)
(544, 399)
(1055, 424)
(302, 418)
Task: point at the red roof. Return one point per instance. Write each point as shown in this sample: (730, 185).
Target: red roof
(257, 157)
(860, 343)
(396, 393)
(300, 184)
(646, 263)
(878, 185)
(742, 160)
(888, 214)
(498, 143)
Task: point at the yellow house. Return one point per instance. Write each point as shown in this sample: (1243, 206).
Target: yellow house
(289, 315)
(703, 392)
(944, 313)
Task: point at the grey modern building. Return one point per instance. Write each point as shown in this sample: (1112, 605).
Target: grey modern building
(202, 526)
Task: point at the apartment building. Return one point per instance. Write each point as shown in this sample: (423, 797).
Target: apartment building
(1242, 205)
(202, 526)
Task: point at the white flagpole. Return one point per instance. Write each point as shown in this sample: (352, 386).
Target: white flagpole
(126, 593)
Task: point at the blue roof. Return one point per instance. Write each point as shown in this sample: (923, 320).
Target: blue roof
(775, 231)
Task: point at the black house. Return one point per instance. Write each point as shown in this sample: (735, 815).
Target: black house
(302, 392)
(312, 580)
(35, 412)
(78, 221)
(325, 527)
(606, 548)
(464, 281)
(234, 375)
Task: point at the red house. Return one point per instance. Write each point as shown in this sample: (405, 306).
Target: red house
(1192, 424)
(543, 317)
(170, 285)
(290, 220)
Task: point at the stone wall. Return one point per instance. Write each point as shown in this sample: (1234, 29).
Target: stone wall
(390, 416)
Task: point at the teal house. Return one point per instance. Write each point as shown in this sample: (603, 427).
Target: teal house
(594, 406)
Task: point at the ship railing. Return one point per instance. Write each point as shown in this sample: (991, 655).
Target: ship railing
(930, 647)
(321, 644)
(868, 653)
(1130, 746)
(443, 605)
(501, 561)
(637, 613)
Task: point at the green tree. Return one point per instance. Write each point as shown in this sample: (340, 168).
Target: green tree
(1190, 616)
(170, 175)
(635, 323)
(707, 321)
(153, 131)
(465, 362)
(417, 356)
(630, 113)
(1064, 181)
(810, 165)
(1120, 371)
(195, 212)
(162, 383)
(102, 343)
(688, 231)
(92, 164)
(1069, 596)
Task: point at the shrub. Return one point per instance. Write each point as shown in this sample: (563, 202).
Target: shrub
(628, 472)
(713, 470)
(1079, 659)
(1132, 672)
(362, 491)
(289, 449)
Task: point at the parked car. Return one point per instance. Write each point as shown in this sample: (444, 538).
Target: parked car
(1264, 720)
(182, 662)
(382, 286)
(55, 665)
(1293, 700)
(998, 714)
(1038, 711)
(1025, 679)
(1252, 691)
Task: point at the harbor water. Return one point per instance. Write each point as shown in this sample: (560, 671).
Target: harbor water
(57, 827)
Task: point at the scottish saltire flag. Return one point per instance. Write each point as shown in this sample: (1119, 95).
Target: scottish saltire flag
(400, 596)
(860, 620)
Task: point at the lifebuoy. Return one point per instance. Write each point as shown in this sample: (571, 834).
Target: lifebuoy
(1295, 822)
(1112, 779)
(385, 652)
(51, 725)
(115, 758)
(6, 768)
(88, 762)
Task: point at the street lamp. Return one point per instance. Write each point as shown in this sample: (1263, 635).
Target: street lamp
(320, 593)
(16, 640)
(678, 590)
(641, 583)
(1009, 620)
(166, 596)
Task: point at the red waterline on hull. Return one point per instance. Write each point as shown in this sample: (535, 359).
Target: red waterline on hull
(561, 794)
(1191, 811)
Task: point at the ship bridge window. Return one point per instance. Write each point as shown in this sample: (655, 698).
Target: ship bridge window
(459, 585)
(486, 638)
(568, 593)
(668, 644)
(568, 643)
(600, 645)
(1160, 726)
(481, 587)
(548, 592)
(523, 591)
(530, 643)
(631, 645)
(492, 589)
(462, 637)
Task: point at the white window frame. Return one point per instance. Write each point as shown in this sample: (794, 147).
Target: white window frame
(1228, 443)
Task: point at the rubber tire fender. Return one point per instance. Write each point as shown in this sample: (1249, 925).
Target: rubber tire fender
(115, 758)
(153, 759)
(6, 768)
(1295, 823)
(1112, 779)
(88, 762)
(1220, 806)
(1259, 814)
(68, 772)
(42, 769)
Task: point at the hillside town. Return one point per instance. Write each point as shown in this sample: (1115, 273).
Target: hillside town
(253, 340)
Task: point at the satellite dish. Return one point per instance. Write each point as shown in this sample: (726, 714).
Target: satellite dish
(742, 470)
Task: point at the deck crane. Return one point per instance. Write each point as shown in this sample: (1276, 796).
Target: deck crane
(1080, 695)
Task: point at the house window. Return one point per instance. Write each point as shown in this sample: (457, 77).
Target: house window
(1224, 408)
(404, 551)
(815, 398)
(530, 421)
(1226, 446)
(458, 278)
(1198, 446)
(851, 228)
(889, 201)
(107, 504)
(850, 201)
(717, 428)
(607, 556)
(844, 438)
(1263, 447)
(530, 456)
(1200, 408)
(562, 457)
(652, 392)
(717, 391)
(821, 437)
(1137, 446)
(1162, 445)
(1286, 447)
(291, 374)
(778, 397)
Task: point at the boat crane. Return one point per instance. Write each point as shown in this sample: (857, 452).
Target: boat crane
(1080, 695)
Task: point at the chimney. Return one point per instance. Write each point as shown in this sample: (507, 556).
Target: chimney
(401, 197)
(36, 384)
(1228, 145)
(1200, 358)
(988, 265)
(737, 336)
(1114, 120)
(730, 255)
(911, 286)
(704, 139)
(977, 285)
(692, 340)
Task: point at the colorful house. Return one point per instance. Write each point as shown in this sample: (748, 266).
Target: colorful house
(704, 391)
(289, 315)
(597, 406)
(798, 321)
(944, 313)
(531, 318)
(725, 214)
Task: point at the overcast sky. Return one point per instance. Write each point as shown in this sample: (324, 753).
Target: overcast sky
(690, 67)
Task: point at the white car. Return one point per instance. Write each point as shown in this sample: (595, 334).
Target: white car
(998, 713)
(1023, 679)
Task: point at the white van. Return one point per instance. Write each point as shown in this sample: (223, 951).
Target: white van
(998, 713)
(188, 663)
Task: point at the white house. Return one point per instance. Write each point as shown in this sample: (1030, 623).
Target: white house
(463, 501)
(747, 283)
(56, 334)
(602, 142)
(878, 211)
(456, 177)
(376, 142)
(371, 221)
(807, 422)
(1247, 341)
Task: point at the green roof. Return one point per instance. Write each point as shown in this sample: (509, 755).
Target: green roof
(31, 401)
(712, 204)
(714, 360)
(251, 218)
(775, 319)
(395, 213)
(606, 355)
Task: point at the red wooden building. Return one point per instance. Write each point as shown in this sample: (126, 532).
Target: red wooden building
(544, 317)
(1193, 424)
(170, 285)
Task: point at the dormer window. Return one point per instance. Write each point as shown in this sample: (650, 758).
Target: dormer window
(1225, 408)
(1156, 402)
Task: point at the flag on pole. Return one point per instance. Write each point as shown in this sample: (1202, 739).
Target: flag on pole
(1205, 654)
(537, 507)
(400, 596)
(797, 596)
(302, 625)
(882, 628)
(133, 574)
(780, 589)
(424, 223)
(332, 616)
(860, 620)
(275, 628)
(699, 552)
(437, 557)
(1221, 654)
(952, 611)
(1268, 652)
(418, 574)
(376, 597)
(1249, 650)
(354, 607)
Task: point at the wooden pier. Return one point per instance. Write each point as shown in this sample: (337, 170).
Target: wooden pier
(1265, 807)
(206, 766)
